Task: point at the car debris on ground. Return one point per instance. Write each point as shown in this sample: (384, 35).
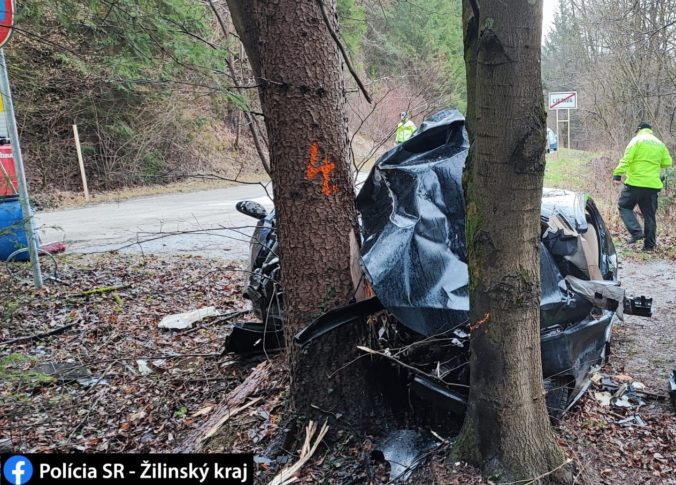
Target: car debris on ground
(413, 224)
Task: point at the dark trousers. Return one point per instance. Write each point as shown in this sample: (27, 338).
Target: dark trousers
(647, 202)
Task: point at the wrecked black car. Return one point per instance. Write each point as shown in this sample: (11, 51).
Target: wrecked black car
(414, 256)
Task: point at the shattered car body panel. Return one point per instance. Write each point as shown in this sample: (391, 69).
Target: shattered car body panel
(414, 253)
(414, 256)
(413, 226)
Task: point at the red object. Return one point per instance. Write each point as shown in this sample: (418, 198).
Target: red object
(54, 248)
(6, 20)
(11, 186)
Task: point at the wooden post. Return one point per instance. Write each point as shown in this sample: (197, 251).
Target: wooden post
(81, 161)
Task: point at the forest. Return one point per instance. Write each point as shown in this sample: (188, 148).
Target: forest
(158, 88)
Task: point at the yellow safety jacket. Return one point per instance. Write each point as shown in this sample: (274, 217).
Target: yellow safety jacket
(643, 159)
(405, 130)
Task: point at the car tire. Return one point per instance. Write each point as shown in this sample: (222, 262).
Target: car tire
(556, 398)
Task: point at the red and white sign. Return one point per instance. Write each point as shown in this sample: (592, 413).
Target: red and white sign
(6, 20)
(567, 100)
(8, 181)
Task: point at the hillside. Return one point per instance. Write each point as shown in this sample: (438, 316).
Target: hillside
(160, 93)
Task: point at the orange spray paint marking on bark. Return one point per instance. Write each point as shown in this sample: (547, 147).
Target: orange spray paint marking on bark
(476, 325)
(325, 169)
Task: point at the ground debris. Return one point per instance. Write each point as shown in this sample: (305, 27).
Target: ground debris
(189, 383)
(87, 387)
(181, 321)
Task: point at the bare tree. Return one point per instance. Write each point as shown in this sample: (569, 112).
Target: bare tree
(619, 56)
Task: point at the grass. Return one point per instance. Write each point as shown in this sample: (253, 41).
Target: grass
(15, 368)
(590, 172)
(568, 169)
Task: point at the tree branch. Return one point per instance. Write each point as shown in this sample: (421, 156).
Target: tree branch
(343, 52)
(247, 114)
(39, 336)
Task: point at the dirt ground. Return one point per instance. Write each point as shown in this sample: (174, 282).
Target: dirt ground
(645, 350)
(109, 380)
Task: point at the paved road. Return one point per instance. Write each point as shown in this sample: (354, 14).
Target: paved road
(205, 223)
(158, 224)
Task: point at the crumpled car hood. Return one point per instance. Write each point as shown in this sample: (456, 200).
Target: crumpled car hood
(413, 226)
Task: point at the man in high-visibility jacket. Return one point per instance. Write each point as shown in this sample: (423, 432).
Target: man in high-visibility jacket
(643, 160)
(405, 128)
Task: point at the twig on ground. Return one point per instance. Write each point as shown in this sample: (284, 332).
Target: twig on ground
(287, 475)
(41, 335)
(221, 319)
(100, 291)
(535, 479)
(158, 357)
(84, 420)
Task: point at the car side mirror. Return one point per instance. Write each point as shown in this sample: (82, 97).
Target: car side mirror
(251, 209)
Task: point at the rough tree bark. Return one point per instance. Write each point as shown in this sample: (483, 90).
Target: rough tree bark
(297, 66)
(506, 429)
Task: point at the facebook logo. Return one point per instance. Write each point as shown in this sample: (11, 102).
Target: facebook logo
(18, 470)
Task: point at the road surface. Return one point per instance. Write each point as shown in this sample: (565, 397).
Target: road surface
(204, 223)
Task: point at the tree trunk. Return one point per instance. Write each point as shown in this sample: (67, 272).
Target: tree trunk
(297, 65)
(506, 429)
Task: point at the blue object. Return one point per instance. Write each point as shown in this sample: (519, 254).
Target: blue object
(18, 469)
(12, 232)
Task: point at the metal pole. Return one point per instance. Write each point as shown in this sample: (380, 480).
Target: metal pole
(20, 174)
(558, 138)
(568, 128)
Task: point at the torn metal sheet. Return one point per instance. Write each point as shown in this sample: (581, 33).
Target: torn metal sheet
(603, 294)
(631, 420)
(413, 225)
(353, 313)
(254, 338)
(434, 391)
(404, 449)
(628, 401)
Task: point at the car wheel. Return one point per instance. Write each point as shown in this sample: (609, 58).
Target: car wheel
(558, 393)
